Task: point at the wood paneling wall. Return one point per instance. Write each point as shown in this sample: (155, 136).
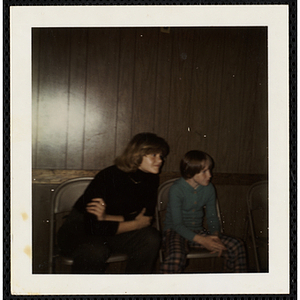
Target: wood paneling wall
(199, 88)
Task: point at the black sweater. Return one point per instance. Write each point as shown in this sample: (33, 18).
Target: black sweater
(125, 194)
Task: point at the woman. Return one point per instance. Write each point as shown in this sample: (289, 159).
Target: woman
(115, 212)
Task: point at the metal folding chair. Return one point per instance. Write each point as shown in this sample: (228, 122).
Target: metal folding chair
(257, 221)
(63, 199)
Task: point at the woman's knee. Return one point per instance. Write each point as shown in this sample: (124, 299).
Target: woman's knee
(147, 241)
(152, 237)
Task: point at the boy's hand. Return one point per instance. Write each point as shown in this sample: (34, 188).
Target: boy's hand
(97, 208)
(211, 243)
(214, 244)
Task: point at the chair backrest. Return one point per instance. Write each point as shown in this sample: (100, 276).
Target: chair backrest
(68, 193)
(257, 202)
(63, 199)
(162, 202)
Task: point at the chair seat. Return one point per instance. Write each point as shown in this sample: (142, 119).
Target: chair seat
(194, 253)
(117, 258)
(200, 253)
(67, 260)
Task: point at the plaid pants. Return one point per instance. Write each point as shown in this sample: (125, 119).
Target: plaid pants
(176, 248)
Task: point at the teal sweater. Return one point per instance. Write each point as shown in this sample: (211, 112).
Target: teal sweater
(185, 209)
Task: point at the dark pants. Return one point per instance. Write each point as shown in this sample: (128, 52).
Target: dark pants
(91, 252)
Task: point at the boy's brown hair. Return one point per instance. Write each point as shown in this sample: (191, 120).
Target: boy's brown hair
(194, 162)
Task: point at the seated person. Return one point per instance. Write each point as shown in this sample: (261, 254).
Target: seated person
(184, 218)
(115, 212)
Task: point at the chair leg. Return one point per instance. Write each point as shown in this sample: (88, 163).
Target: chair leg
(254, 244)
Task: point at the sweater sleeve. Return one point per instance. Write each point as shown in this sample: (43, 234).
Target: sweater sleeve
(175, 207)
(212, 219)
(96, 189)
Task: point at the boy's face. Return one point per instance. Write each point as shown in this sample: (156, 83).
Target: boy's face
(202, 178)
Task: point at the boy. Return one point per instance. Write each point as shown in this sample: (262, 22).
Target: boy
(183, 225)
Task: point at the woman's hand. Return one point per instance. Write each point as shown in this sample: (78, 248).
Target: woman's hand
(141, 220)
(211, 243)
(97, 208)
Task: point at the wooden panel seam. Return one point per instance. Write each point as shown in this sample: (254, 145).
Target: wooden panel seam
(54, 176)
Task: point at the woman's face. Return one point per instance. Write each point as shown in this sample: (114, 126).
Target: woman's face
(151, 163)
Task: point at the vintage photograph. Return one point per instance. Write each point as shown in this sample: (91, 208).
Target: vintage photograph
(150, 154)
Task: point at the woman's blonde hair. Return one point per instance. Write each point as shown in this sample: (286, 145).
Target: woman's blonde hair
(141, 145)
